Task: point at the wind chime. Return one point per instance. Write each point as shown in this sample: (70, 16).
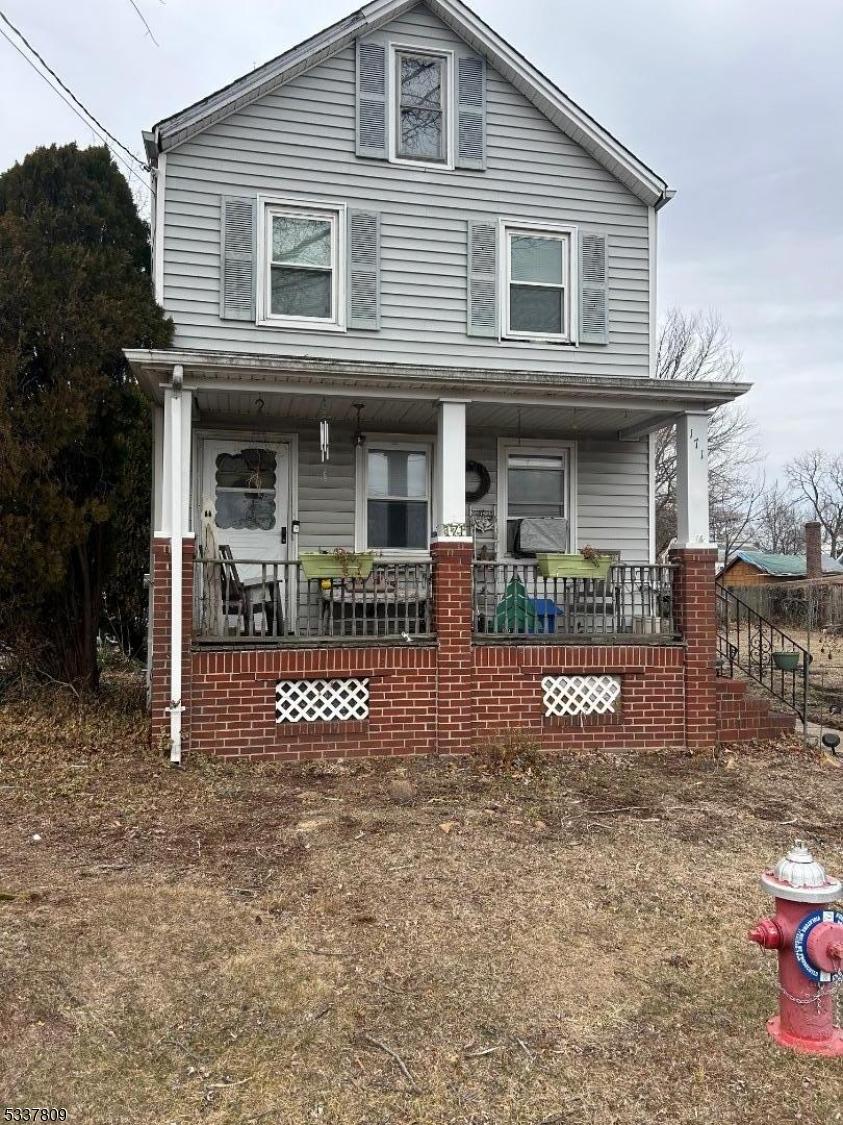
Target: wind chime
(324, 435)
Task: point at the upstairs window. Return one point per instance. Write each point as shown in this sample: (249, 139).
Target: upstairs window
(421, 101)
(303, 266)
(538, 284)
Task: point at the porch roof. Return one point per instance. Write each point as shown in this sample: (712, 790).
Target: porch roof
(230, 382)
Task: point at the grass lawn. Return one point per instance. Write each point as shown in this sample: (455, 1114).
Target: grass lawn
(385, 942)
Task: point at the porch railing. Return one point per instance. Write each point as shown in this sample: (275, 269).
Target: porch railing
(274, 602)
(515, 600)
(751, 644)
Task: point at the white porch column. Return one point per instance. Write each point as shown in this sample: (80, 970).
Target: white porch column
(176, 520)
(693, 528)
(450, 470)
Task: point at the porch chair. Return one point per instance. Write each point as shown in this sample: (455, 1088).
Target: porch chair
(235, 600)
(248, 597)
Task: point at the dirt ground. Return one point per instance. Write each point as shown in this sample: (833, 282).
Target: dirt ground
(393, 943)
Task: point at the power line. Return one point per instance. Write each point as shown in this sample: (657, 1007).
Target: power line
(66, 88)
(71, 106)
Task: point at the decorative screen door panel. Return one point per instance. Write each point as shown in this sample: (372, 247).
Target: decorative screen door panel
(245, 498)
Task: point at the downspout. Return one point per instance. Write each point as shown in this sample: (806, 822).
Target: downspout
(176, 707)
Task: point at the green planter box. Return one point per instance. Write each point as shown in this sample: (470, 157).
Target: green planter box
(787, 661)
(315, 564)
(572, 566)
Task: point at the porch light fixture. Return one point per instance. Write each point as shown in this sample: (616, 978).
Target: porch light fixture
(359, 438)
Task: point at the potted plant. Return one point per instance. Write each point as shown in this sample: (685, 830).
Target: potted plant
(338, 563)
(787, 661)
(587, 563)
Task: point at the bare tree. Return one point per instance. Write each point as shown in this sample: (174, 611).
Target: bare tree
(817, 478)
(733, 511)
(694, 347)
(779, 522)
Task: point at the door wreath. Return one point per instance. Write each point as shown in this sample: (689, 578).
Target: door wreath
(484, 481)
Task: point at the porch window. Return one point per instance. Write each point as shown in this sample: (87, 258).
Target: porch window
(420, 116)
(302, 255)
(536, 486)
(538, 276)
(244, 488)
(397, 499)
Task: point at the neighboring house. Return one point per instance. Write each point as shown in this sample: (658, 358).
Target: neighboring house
(764, 568)
(413, 287)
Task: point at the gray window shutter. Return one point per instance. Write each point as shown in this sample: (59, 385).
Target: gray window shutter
(371, 99)
(237, 259)
(594, 289)
(471, 111)
(482, 278)
(364, 252)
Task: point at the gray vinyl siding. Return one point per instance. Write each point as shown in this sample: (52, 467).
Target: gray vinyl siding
(299, 143)
(612, 491)
(613, 510)
(326, 491)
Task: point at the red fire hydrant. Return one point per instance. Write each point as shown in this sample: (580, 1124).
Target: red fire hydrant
(809, 939)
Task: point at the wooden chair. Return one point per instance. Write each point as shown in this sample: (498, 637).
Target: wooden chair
(235, 600)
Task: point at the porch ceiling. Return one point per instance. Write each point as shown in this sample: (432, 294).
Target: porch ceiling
(410, 415)
(402, 396)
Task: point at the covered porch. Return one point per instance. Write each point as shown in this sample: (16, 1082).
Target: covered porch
(437, 626)
(266, 463)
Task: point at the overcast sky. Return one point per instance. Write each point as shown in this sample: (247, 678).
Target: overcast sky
(737, 103)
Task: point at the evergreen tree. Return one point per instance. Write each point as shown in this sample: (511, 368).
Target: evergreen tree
(74, 291)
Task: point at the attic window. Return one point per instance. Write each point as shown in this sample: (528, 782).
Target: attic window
(421, 99)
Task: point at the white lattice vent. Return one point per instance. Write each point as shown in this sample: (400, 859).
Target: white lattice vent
(580, 695)
(325, 701)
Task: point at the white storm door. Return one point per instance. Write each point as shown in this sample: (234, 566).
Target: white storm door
(245, 496)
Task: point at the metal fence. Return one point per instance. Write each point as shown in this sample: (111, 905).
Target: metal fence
(514, 599)
(259, 601)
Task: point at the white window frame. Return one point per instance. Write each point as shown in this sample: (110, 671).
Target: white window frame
(570, 236)
(448, 106)
(335, 213)
(565, 449)
(408, 444)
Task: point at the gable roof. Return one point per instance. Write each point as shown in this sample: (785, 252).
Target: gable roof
(641, 180)
(783, 566)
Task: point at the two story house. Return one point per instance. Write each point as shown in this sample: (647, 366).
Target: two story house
(413, 287)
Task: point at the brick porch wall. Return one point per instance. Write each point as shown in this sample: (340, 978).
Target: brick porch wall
(159, 693)
(508, 693)
(696, 617)
(444, 696)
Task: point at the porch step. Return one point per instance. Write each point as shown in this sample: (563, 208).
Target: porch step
(743, 717)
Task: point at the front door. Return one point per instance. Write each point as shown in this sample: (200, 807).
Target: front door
(245, 490)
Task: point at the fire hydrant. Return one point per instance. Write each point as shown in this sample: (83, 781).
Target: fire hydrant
(808, 936)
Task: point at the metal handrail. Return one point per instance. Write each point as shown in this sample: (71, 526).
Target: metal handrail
(747, 640)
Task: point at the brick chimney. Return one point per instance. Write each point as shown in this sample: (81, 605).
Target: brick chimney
(813, 550)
